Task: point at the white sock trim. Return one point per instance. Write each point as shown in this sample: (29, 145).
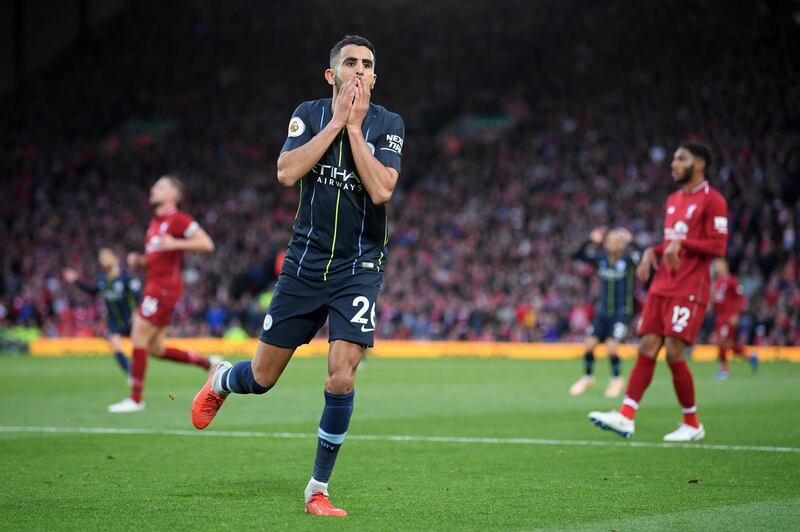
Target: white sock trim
(631, 403)
(313, 487)
(690, 410)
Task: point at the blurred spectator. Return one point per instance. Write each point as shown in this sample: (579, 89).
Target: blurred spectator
(525, 129)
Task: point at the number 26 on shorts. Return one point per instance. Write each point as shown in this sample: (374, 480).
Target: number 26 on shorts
(363, 306)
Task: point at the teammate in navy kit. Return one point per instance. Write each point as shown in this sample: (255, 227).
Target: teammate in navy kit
(616, 269)
(345, 153)
(121, 293)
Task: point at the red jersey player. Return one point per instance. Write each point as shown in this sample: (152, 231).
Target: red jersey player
(695, 232)
(171, 232)
(729, 302)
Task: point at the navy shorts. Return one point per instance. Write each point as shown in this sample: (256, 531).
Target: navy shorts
(604, 327)
(122, 329)
(299, 308)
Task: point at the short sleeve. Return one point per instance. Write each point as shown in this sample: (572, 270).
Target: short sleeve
(717, 217)
(389, 149)
(183, 226)
(299, 131)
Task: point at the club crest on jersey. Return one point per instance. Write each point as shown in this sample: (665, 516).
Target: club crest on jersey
(678, 232)
(671, 210)
(296, 127)
(163, 227)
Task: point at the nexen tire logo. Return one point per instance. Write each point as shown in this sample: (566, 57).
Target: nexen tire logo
(394, 143)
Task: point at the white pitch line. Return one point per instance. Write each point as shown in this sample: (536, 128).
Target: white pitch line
(396, 438)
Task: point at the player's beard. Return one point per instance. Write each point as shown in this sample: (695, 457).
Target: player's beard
(686, 176)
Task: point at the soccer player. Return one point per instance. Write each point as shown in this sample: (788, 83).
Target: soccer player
(171, 233)
(695, 232)
(614, 306)
(728, 301)
(120, 292)
(345, 152)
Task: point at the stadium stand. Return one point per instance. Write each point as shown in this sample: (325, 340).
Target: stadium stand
(522, 135)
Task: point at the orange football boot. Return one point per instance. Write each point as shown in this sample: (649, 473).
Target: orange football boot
(320, 505)
(207, 402)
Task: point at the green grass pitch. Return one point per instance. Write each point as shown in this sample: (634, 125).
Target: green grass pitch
(181, 480)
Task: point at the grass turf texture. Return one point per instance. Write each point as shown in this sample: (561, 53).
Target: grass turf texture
(101, 481)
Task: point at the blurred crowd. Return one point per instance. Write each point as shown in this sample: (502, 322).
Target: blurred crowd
(525, 129)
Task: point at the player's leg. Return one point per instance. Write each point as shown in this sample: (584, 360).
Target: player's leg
(587, 379)
(723, 344)
(691, 429)
(352, 330)
(115, 339)
(641, 374)
(295, 314)
(339, 393)
(651, 330)
(142, 333)
(159, 349)
(617, 381)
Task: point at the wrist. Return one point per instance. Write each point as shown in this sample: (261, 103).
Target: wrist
(354, 129)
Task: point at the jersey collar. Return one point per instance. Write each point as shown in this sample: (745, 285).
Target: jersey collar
(702, 186)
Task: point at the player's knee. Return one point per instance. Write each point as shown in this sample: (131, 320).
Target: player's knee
(649, 346)
(341, 381)
(264, 376)
(675, 350)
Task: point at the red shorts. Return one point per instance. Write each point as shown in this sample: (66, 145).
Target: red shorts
(157, 305)
(723, 330)
(665, 316)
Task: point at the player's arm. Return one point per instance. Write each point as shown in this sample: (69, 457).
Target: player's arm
(740, 302)
(715, 239)
(194, 239)
(302, 151)
(588, 250)
(586, 253)
(71, 276)
(136, 260)
(378, 172)
(648, 263)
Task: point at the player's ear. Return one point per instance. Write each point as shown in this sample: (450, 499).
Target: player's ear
(330, 77)
(374, 81)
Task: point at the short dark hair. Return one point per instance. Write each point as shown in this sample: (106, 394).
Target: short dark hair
(358, 40)
(699, 149)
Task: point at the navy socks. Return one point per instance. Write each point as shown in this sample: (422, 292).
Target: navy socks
(588, 363)
(122, 360)
(616, 364)
(332, 430)
(240, 379)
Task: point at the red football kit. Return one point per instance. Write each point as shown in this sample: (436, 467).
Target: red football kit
(164, 284)
(676, 301)
(728, 302)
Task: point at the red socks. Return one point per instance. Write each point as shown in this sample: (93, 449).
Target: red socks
(185, 357)
(684, 389)
(641, 375)
(138, 367)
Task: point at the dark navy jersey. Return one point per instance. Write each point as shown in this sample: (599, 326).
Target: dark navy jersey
(337, 228)
(617, 279)
(121, 295)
